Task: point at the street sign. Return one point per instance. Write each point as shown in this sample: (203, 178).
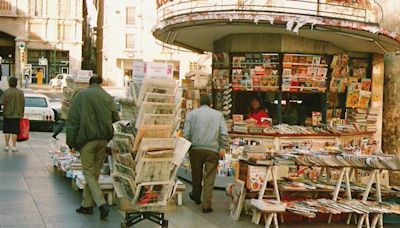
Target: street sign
(21, 45)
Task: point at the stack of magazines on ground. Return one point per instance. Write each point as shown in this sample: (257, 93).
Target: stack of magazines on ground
(146, 164)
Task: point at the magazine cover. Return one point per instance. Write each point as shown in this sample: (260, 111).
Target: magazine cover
(123, 186)
(125, 159)
(255, 178)
(238, 195)
(124, 146)
(316, 118)
(153, 193)
(125, 170)
(352, 98)
(366, 84)
(364, 98)
(221, 77)
(322, 72)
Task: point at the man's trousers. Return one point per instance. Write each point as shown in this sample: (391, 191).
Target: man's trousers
(204, 165)
(92, 158)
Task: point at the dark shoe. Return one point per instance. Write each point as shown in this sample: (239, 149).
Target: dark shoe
(208, 210)
(104, 211)
(192, 198)
(85, 210)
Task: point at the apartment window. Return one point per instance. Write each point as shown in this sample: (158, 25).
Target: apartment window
(130, 15)
(130, 41)
(5, 5)
(36, 8)
(65, 9)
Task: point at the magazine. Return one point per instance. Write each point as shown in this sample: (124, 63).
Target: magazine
(238, 195)
(125, 170)
(153, 193)
(123, 186)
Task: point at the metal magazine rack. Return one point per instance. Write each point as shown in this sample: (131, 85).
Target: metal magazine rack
(145, 165)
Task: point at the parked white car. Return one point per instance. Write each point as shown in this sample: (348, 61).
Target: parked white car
(59, 81)
(38, 112)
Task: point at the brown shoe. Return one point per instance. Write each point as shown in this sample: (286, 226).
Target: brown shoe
(207, 210)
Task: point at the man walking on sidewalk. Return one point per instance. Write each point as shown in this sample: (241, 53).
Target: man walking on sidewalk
(89, 129)
(206, 129)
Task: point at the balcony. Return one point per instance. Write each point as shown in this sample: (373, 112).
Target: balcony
(364, 11)
(7, 8)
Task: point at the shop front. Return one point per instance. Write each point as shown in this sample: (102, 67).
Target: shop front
(294, 82)
(46, 64)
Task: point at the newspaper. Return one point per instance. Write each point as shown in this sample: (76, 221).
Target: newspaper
(151, 131)
(161, 86)
(154, 108)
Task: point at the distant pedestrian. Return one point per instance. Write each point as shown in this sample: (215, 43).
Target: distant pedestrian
(206, 129)
(26, 81)
(89, 129)
(61, 124)
(13, 102)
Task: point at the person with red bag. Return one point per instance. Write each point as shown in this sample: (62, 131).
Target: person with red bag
(13, 102)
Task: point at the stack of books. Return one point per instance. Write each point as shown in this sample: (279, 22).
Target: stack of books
(358, 118)
(371, 120)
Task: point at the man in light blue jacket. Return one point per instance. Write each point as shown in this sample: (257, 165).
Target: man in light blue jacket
(205, 128)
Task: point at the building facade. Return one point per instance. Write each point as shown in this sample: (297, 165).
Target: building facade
(124, 35)
(40, 38)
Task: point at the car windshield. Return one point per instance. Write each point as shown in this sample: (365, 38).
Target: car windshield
(35, 102)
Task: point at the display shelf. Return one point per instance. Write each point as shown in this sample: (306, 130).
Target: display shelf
(306, 77)
(220, 181)
(255, 63)
(239, 134)
(255, 75)
(305, 92)
(305, 64)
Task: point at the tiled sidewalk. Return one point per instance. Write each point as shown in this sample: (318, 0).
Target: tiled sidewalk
(34, 194)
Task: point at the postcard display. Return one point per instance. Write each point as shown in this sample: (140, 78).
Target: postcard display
(339, 151)
(145, 165)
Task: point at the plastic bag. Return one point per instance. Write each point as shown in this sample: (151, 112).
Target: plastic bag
(23, 130)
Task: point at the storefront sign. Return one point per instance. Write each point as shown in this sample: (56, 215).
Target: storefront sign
(152, 70)
(138, 70)
(158, 70)
(162, 2)
(43, 61)
(84, 74)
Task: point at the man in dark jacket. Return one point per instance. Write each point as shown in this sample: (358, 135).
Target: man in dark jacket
(89, 129)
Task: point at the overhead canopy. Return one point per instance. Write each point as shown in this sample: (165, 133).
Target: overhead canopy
(198, 33)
